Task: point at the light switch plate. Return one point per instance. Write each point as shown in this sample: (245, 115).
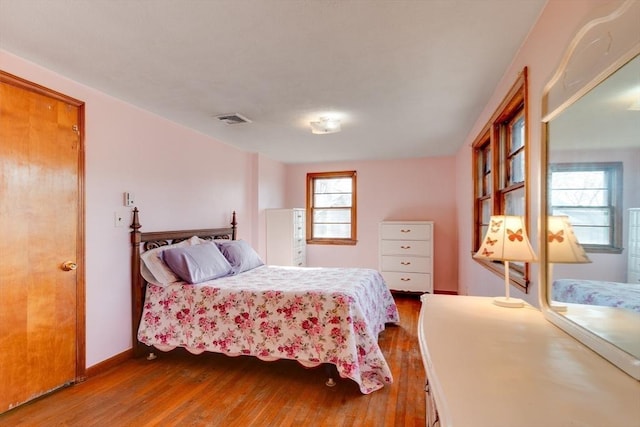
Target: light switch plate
(128, 199)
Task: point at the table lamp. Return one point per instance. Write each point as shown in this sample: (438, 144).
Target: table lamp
(562, 247)
(506, 240)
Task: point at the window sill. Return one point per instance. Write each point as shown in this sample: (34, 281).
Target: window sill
(601, 249)
(343, 242)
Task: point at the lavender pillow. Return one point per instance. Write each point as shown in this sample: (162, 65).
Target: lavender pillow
(240, 255)
(199, 263)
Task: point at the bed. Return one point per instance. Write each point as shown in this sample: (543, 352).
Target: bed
(597, 292)
(317, 316)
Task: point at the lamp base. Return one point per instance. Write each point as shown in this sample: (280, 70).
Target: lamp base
(508, 302)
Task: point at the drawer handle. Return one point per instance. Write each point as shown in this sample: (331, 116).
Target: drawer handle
(405, 247)
(405, 263)
(405, 279)
(407, 230)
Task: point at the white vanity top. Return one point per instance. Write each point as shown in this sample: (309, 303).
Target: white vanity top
(495, 366)
(614, 324)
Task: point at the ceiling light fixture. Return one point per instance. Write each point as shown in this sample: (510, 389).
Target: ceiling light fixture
(325, 125)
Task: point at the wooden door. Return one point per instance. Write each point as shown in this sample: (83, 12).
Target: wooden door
(41, 228)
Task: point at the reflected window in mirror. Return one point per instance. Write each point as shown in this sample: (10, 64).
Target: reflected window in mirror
(590, 194)
(500, 173)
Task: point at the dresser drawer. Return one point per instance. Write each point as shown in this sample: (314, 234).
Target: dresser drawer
(299, 242)
(299, 261)
(405, 231)
(432, 412)
(415, 264)
(299, 253)
(299, 225)
(413, 282)
(405, 247)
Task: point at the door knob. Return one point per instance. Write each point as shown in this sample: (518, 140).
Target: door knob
(69, 266)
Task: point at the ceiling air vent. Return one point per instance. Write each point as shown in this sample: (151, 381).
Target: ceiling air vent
(233, 119)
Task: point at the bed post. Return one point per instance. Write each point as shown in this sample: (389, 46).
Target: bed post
(136, 284)
(234, 226)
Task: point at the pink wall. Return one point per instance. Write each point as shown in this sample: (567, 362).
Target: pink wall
(181, 180)
(541, 52)
(411, 189)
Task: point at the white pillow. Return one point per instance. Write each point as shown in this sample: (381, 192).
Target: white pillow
(154, 270)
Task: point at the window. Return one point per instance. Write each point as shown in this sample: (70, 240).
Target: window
(331, 208)
(590, 194)
(500, 172)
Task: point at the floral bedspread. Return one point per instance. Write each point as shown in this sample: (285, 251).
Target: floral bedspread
(312, 315)
(596, 292)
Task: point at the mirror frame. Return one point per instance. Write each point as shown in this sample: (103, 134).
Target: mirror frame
(608, 41)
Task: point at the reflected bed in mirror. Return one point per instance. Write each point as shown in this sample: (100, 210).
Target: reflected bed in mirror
(592, 165)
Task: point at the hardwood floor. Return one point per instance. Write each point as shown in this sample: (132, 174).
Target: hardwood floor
(215, 390)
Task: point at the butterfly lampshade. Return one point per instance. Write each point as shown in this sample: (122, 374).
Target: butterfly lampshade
(562, 248)
(506, 240)
(562, 243)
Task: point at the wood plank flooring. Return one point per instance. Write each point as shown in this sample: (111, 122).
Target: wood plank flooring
(215, 390)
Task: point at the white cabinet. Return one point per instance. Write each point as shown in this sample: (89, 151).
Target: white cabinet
(286, 242)
(406, 255)
(633, 247)
(493, 366)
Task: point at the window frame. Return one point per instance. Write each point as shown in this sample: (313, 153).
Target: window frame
(493, 186)
(614, 172)
(311, 177)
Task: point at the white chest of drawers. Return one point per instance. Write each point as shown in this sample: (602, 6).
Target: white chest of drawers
(286, 241)
(406, 255)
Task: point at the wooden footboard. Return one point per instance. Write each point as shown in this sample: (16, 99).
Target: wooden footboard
(141, 242)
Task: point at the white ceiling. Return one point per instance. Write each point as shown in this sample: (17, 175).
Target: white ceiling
(408, 78)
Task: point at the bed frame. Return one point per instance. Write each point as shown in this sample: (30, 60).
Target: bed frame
(141, 242)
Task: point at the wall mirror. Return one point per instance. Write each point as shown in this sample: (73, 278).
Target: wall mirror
(590, 189)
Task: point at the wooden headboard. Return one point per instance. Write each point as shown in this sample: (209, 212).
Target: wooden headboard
(141, 242)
